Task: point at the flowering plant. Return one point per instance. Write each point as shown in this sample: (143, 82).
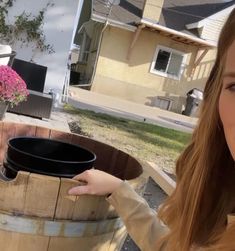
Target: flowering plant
(13, 89)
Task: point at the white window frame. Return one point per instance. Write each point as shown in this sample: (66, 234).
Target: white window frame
(164, 74)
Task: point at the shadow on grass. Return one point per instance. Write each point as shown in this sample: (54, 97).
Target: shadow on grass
(159, 140)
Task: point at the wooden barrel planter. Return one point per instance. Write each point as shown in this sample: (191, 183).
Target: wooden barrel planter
(37, 214)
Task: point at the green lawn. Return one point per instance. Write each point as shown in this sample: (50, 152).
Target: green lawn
(142, 140)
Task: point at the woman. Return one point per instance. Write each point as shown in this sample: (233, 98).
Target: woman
(196, 214)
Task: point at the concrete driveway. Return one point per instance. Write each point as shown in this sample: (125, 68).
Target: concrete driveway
(97, 102)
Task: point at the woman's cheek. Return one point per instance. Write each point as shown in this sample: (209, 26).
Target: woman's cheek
(227, 116)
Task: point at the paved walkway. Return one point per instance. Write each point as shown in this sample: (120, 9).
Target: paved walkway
(117, 107)
(58, 120)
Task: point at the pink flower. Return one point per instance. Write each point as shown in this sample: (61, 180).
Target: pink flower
(13, 89)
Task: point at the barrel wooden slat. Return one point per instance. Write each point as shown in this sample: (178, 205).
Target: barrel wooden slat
(1, 145)
(111, 213)
(45, 198)
(94, 243)
(66, 203)
(105, 210)
(58, 135)
(25, 130)
(120, 164)
(85, 207)
(118, 239)
(82, 141)
(41, 195)
(13, 193)
(112, 164)
(76, 139)
(78, 208)
(104, 155)
(71, 207)
(22, 242)
(42, 132)
(108, 241)
(8, 131)
(131, 167)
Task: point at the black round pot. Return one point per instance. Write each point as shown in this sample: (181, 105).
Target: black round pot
(46, 156)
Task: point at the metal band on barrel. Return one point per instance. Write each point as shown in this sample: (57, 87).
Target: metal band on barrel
(38, 226)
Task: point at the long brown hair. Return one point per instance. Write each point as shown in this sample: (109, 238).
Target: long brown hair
(196, 212)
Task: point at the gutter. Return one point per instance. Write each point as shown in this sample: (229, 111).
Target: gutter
(112, 22)
(177, 33)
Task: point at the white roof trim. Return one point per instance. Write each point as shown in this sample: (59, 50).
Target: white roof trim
(194, 25)
(112, 22)
(178, 33)
(205, 20)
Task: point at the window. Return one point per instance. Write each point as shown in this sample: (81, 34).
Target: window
(168, 62)
(84, 42)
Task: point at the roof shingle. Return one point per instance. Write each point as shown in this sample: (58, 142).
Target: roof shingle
(127, 12)
(187, 12)
(176, 14)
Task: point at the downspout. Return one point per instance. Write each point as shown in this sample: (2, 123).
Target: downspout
(98, 52)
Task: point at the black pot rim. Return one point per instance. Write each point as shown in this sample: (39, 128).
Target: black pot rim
(49, 139)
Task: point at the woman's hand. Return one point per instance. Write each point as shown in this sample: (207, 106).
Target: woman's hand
(97, 183)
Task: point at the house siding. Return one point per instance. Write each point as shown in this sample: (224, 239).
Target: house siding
(131, 79)
(213, 26)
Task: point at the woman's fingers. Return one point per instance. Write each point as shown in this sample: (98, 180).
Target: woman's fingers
(83, 188)
(96, 182)
(81, 177)
(79, 190)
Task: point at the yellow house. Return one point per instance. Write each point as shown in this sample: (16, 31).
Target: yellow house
(150, 52)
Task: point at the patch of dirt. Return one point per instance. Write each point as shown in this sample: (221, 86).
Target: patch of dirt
(75, 128)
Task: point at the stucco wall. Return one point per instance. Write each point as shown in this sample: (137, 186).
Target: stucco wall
(59, 23)
(132, 80)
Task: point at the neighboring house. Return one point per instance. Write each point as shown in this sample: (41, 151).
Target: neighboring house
(150, 52)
